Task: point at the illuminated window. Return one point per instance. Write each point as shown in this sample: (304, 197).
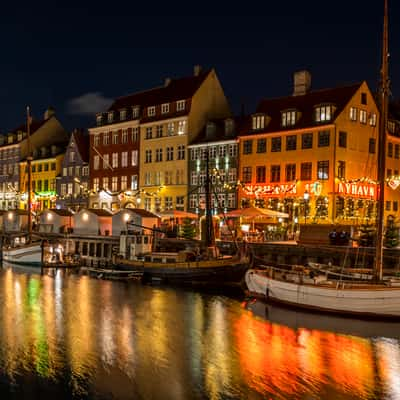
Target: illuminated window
(124, 159)
(115, 138)
(96, 140)
(96, 163)
(180, 105)
(323, 170)
(323, 113)
(124, 138)
(165, 108)
(105, 183)
(170, 153)
(181, 152)
(110, 117)
(135, 112)
(168, 202)
(149, 132)
(159, 155)
(170, 129)
(148, 156)
(151, 111)
(181, 127)
(122, 115)
(288, 118)
(135, 134)
(258, 121)
(106, 138)
(96, 184)
(363, 116)
(159, 131)
(134, 182)
(115, 160)
(114, 183)
(353, 114)
(106, 163)
(147, 178)
(372, 119)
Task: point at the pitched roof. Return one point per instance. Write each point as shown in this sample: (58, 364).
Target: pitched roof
(177, 89)
(100, 212)
(140, 211)
(82, 144)
(34, 126)
(62, 212)
(305, 104)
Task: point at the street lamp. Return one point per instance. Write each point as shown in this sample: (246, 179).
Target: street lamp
(306, 198)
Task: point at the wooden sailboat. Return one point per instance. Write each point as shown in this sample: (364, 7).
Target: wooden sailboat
(376, 299)
(190, 266)
(29, 253)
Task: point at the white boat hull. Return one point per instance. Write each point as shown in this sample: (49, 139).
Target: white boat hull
(23, 255)
(364, 300)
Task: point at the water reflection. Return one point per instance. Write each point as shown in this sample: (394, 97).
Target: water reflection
(69, 336)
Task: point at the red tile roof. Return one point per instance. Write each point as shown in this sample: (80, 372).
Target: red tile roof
(100, 212)
(139, 211)
(61, 212)
(305, 104)
(82, 144)
(177, 89)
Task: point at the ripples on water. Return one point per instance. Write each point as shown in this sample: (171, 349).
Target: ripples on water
(70, 336)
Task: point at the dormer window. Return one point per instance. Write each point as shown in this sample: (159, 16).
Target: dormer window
(151, 111)
(180, 105)
(135, 112)
(323, 113)
(289, 118)
(228, 126)
(391, 126)
(19, 135)
(258, 121)
(99, 119)
(210, 129)
(122, 115)
(110, 116)
(165, 108)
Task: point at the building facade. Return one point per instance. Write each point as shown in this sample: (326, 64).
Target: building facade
(73, 181)
(314, 155)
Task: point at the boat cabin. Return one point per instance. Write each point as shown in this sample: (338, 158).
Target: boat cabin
(56, 221)
(134, 220)
(133, 246)
(92, 221)
(15, 221)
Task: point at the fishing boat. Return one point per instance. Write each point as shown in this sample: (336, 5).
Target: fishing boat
(376, 299)
(26, 252)
(198, 263)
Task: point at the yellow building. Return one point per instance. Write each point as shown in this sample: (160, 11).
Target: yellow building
(314, 155)
(46, 166)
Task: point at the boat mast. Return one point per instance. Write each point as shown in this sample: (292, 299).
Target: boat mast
(29, 166)
(384, 105)
(209, 237)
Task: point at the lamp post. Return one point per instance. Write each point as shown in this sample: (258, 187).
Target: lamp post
(306, 198)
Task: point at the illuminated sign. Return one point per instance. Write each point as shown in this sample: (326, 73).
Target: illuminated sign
(272, 190)
(357, 189)
(394, 182)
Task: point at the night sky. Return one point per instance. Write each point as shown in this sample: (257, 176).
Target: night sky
(78, 57)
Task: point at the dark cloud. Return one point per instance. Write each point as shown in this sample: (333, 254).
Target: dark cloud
(88, 104)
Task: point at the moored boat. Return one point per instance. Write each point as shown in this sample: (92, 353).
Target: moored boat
(28, 254)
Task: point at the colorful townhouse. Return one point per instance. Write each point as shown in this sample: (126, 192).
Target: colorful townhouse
(14, 149)
(73, 181)
(314, 155)
(138, 153)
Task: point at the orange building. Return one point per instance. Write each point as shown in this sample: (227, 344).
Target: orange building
(314, 155)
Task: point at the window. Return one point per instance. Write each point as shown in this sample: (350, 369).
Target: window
(194, 178)
(231, 200)
(105, 183)
(246, 176)
(110, 116)
(288, 118)
(147, 178)
(134, 182)
(159, 155)
(228, 126)
(363, 116)
(306, 171)
(96, 140)
(106, 138)
(149, 132)
(323, 138)
(39, 167)
(96, 163)
(135, 134)
(168, 202)
(306, 140)
(115, 160)
(390, 149)
(391, 126)
(180, 105)
(247, 147)
(148, 156)
(341, 169)
(261, 145)
(389, 173)
(77, 170)
(114, 183)
(96, 184)
(323, 113)
(290, 172)
(260, 174)
(45, 166)
(46, 185)
(85, 171)
(165, 108)
(65, 169)
(72, 156)
(53, 166)
(275, 173)
(124, 182)
(179, 177)
(168, 177)
(115, 138)
(170, 129)
(323, 170)
(233, 149)
(371, 145)
(99, 118)
(147, 203)
(151, 111)
(395, 206)
(364, 98)
(387, 206)
(181, 127)
(124, 138)
(170, 153)
(181, 152)
(232, 175)
(135, 112)
(193, 201)
(122, 115)
(124, 159)
(276, 144)
(159, 131)
(291, 142)
(353, 114)
(106, 162)
(397, 151)
(342, 139)
(63, 189)
(70, 188)
(372, 119)
(212, 152)
(258, 121)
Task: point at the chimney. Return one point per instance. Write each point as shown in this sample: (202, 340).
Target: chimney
(196, 70)
(167, 82)
(48, 113)
(302, 83)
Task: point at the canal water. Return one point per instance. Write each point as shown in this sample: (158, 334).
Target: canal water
(66, 336)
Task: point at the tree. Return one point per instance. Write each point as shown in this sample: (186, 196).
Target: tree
(188, 230)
